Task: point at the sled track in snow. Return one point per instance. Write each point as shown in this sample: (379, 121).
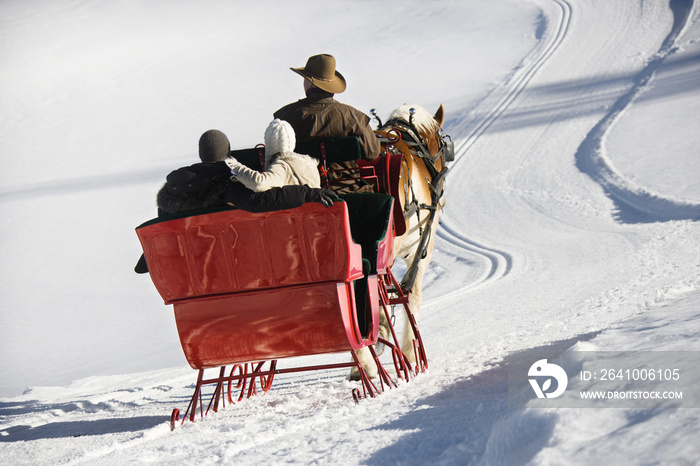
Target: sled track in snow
(515, 85)
(634, 203)
(500, 262)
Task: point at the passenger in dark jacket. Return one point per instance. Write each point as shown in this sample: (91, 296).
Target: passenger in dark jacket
(320, 116)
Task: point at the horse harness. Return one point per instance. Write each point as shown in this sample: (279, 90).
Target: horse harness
(407, 132)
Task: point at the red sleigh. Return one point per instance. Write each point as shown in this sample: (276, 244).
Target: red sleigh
(249, 289)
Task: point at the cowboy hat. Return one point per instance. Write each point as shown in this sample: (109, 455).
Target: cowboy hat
(320, 71)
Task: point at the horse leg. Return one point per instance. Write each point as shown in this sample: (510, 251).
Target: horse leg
(414, 303)
(415, 300)
(367, 361)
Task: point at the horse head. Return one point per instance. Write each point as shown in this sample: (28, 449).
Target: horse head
(423, 131)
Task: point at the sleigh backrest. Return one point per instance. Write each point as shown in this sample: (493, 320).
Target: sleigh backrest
(253, 158)
(231, 251)
(334, 150)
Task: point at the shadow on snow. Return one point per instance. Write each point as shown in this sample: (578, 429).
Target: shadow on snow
(80, 428)
(455, 425)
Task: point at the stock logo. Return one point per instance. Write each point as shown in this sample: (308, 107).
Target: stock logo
(542, 370)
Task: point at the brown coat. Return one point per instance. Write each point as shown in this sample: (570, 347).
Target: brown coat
(320, 116)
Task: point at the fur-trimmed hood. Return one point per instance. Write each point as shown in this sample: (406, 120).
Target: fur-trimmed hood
(195, 187)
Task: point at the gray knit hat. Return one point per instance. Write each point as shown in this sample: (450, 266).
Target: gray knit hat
(213, 146)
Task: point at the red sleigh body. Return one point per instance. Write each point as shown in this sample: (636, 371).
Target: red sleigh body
(257, 286)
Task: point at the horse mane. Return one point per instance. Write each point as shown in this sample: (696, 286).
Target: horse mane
(422, 119)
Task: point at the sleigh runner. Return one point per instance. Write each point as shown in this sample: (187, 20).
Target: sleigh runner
(251, 289)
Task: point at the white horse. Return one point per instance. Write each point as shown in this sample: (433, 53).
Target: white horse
(425, 152)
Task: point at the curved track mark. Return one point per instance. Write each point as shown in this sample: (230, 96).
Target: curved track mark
(635, 204)
(513, 87)
(500, 262)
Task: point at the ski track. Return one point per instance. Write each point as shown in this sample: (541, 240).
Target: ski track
(634, 203)
(519, 80)
(499, 262)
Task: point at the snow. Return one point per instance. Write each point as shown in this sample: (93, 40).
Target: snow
(571, 221)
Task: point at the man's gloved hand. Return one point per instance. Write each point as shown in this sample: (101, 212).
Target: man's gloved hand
(322, 195)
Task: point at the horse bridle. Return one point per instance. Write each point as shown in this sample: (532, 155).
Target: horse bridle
(445, 151)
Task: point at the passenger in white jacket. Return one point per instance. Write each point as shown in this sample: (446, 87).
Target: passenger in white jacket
(283, 166)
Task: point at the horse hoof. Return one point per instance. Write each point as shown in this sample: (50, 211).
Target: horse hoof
(371, 372)
(383, 334)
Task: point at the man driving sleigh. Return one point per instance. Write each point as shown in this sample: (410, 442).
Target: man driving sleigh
(319, 116)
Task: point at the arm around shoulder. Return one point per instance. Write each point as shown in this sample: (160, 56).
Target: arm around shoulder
(279, 198)
(275, 176)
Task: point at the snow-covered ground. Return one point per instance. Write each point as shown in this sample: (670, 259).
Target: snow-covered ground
(571, 224)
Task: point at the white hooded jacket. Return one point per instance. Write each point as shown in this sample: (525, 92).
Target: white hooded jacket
(283, 166)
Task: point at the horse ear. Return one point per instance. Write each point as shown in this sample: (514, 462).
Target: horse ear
(440, 115)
